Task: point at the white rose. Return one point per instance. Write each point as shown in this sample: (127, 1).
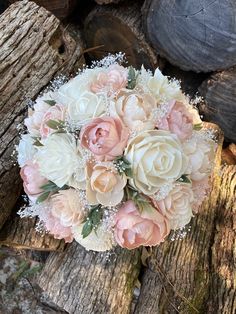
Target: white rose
(164, 90)
(26, 150)
(104, 185)
(134, 109)
(67, 207)
(87, 106)
(60, 160)
(201, 155)
(156, 158)
(99, 241)
(35, 117)
(177, 206)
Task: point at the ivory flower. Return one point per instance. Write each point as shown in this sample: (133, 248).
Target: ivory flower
(104, 185)
(99, 241)
(134, 228)
(134, 109)
(60, 160)
(177, 206)
(67, 207)
(26, 150)
(156, 158)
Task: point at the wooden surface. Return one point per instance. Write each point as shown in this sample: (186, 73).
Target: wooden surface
(34, 49)
(60, 8)
(20, 233)
(118, 29)
(194, 35)
(219, 92)
(86, 282)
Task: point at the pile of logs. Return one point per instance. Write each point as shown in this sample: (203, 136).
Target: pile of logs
(191, 40)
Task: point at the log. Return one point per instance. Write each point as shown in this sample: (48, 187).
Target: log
(60, 8)
(219, 92)
(197, 274)
(194, 35)
(20, 233)
(80, 281)
(228, 157)
(107, 1)
(35, 48)
(118, 29)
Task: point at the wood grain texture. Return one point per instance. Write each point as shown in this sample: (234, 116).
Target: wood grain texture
(219, 92)
(119, 29)
(189, 275)
(197, 35)
(35, 48)
(60, 8)
(85, 282)
(20, 233)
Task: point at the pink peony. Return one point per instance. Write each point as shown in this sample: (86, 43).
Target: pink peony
(111, 81)
(177, 120)
(106, 137)
(134, 228)
(56, 112)
(200, 191)
(32, 180)
(54, 227)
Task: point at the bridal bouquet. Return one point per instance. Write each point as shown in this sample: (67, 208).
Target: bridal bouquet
(115, 156)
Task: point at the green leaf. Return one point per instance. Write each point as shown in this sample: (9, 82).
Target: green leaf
(132, 78)
(42, 197)
(197, 126)
(37, 143)
(50, 102)
(87, 229)
(57, 125)
(184, 179)
(123, 166)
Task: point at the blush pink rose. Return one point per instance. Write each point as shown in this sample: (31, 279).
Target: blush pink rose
(134, 228)
(111, 81)
(106, 137)
(32, 180)
(177, 120)
(200, 190)
(56, 112)
(54, 226)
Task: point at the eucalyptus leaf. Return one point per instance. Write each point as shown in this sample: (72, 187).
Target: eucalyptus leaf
(87, 229)
(131, 78)
(43, 197)
(184, 179)
(37, 143)
(50, 102)
(197, 126)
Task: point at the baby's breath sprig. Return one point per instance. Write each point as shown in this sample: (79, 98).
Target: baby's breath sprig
(123, 166)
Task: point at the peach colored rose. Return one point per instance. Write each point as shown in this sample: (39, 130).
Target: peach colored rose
(134, 109)
(110, 81)
(53, 226)
(56, 112)
(104, 185)
(177, 120)
(106, 137)
(134, 228)
(32, 180)
(177, 206)
(200, 191)
(67, 207)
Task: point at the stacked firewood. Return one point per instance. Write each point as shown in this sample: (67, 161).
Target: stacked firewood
(191, 40)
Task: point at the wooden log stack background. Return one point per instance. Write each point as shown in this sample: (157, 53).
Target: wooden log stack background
(194, 41)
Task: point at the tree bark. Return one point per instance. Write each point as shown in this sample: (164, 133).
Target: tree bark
(107, 1)
(219, 92)
(35, 48)
(60, 8)
(194, 35)
(20, 233)
(80, 281)
(197, 274)
(119, 29)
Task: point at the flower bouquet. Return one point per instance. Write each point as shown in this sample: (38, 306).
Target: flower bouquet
(115, 156)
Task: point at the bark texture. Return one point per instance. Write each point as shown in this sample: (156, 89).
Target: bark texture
(219, 91)
(80, 281)
(197, 274)
(194, 35)
(34, 49)
(61, 8)
(107, 1)
(119, 29)
(20, 233)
